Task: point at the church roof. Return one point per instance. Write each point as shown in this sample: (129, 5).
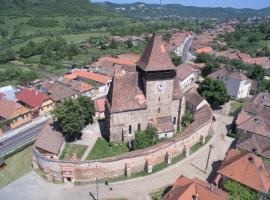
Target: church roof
(124, 93)
(155, 56)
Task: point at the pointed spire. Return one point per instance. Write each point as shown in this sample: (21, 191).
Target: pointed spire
(155, 56)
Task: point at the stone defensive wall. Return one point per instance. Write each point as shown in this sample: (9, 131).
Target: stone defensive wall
(132, 162)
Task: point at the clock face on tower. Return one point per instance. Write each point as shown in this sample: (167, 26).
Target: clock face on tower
(161, 86)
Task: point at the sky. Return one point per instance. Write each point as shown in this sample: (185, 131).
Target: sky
(256, 4)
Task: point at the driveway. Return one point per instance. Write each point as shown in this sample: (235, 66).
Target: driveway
(31, 186)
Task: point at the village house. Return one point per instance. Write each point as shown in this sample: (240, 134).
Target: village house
(100, 82)
(253, 126)
(37, 102)
(150, 95)
(187, 74)
(100, 105)
(195, 189)
(204, 50)
(57, 92)
(194, 100)
(50, 142)
(9, 92)
(237, 84)
(244, 168)
(14, 114)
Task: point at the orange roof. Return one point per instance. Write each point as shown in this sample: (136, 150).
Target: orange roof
(101, 105)
(89, 75)
(187, 189)
(204, 50)
(247, 169)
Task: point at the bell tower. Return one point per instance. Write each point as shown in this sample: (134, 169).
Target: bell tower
(157, 73)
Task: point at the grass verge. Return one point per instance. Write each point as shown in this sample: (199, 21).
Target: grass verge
(71, 149)
(17, 164)
(104, 149)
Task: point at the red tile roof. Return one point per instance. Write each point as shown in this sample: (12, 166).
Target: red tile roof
(204, 50)
(247, 169)
(100, 105)
(31, 97)
(187, 189)
(155, 56)
(89, 75)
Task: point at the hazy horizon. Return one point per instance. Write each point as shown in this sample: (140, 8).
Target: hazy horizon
(259, 4)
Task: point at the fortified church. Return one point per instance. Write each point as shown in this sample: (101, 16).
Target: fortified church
(149, 94)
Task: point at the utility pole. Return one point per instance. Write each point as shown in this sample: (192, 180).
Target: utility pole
(207, 162)
(97, 186)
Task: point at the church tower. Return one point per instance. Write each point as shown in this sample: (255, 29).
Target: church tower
(157, 73)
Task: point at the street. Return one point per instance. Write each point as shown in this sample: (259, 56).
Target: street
(186, 50)
(32, 186)
(18, 138)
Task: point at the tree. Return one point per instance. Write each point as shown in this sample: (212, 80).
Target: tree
(26, 78)
(239, 191)
(70, 118)
(167, 36)
(214, 91)
(187, 119)
(203, 58)
(88, 108)
(177, 60)
(144, 139)
(113, 44)
(129, 44)
(256, 72)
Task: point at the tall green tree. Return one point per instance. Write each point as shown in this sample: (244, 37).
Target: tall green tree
(88, 108)
(144, 139)
(214, 91)
(70, 118)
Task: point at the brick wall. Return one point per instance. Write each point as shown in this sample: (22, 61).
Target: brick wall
(115, 166)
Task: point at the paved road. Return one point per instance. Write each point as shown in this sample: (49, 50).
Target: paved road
(186, 50)
(22, 136)
(31, 186)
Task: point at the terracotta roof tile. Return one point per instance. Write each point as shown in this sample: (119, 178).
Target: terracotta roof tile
(186, 189)
(31, 97)
(155, 56)
(10, 109)
(204, 50)
(183, 71)
(49, 139)
(124, 93)
(247, 169)
(100, 105)
(229, 74)
(163, 124)
(89, 75)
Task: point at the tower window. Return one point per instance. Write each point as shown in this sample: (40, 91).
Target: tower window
(139, 127)
(158, 110)
(129, 129)
(174, 120)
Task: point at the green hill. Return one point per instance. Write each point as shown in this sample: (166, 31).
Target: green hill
(143, 10)
(50, 7)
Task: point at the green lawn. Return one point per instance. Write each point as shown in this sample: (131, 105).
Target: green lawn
(70, 149)
(103, 149)
(159, 194)
(235, 107)
(16, 166)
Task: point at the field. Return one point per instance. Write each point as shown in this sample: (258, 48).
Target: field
(16, 166)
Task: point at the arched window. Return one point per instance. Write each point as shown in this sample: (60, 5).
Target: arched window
(130, 129)
(174, 120)
(139, 127)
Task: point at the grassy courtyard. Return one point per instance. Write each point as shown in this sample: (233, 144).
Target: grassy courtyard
(104, 149)
(17, 165)
(70, 149)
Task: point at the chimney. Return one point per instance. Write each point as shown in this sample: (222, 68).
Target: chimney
(211, 187)
(196, 196)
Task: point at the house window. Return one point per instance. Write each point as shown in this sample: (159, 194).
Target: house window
(174, 120)
(158, 110)
(159, 99)
(139, 127)
(130, 129)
